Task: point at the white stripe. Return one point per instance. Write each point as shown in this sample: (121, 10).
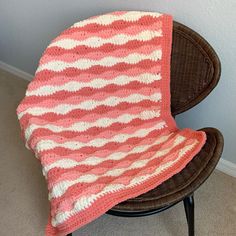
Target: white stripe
(95, 160)
(90, 104)
(60, 188)
(86, 201)
(95, 42)
(109, 61)
(43, 145)
(107, 19)
(101, 123)
(98, 83)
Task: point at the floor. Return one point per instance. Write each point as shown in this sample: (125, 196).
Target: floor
(23, 193)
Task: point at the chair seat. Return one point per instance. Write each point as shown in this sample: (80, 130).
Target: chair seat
(183, 183)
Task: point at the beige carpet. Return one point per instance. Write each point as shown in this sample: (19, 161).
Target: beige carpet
(23, 192)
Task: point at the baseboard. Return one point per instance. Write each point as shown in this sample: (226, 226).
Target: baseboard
(227, 167)
(15, 71)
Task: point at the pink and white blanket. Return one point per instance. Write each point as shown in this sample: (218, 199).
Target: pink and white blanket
(97, 115)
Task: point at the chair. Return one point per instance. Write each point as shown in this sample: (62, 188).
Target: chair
(195, 71)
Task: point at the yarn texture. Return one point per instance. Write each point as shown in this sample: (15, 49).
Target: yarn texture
(97, 116)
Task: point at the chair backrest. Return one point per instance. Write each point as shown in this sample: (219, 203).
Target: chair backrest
(195, 69)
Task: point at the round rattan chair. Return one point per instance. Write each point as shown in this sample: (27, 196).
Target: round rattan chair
(195, 71)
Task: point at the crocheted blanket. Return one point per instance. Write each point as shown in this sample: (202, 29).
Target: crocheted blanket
(97, 116)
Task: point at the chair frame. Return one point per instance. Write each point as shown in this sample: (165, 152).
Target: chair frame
(188, 202)
(188, 206)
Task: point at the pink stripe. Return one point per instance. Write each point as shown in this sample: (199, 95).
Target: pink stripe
(104, 150)
(93, 131)
(85, 91)
(66, 122)
(47, 159)
(75, 100)
(107, 134)
(58, 96)
(108, 33)
(51, 117)
(107, 47)
(72, 57)
(87, 77)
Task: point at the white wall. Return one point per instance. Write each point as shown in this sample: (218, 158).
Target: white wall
(26, 28)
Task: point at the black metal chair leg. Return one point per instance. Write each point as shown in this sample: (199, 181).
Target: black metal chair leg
(189, 210)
